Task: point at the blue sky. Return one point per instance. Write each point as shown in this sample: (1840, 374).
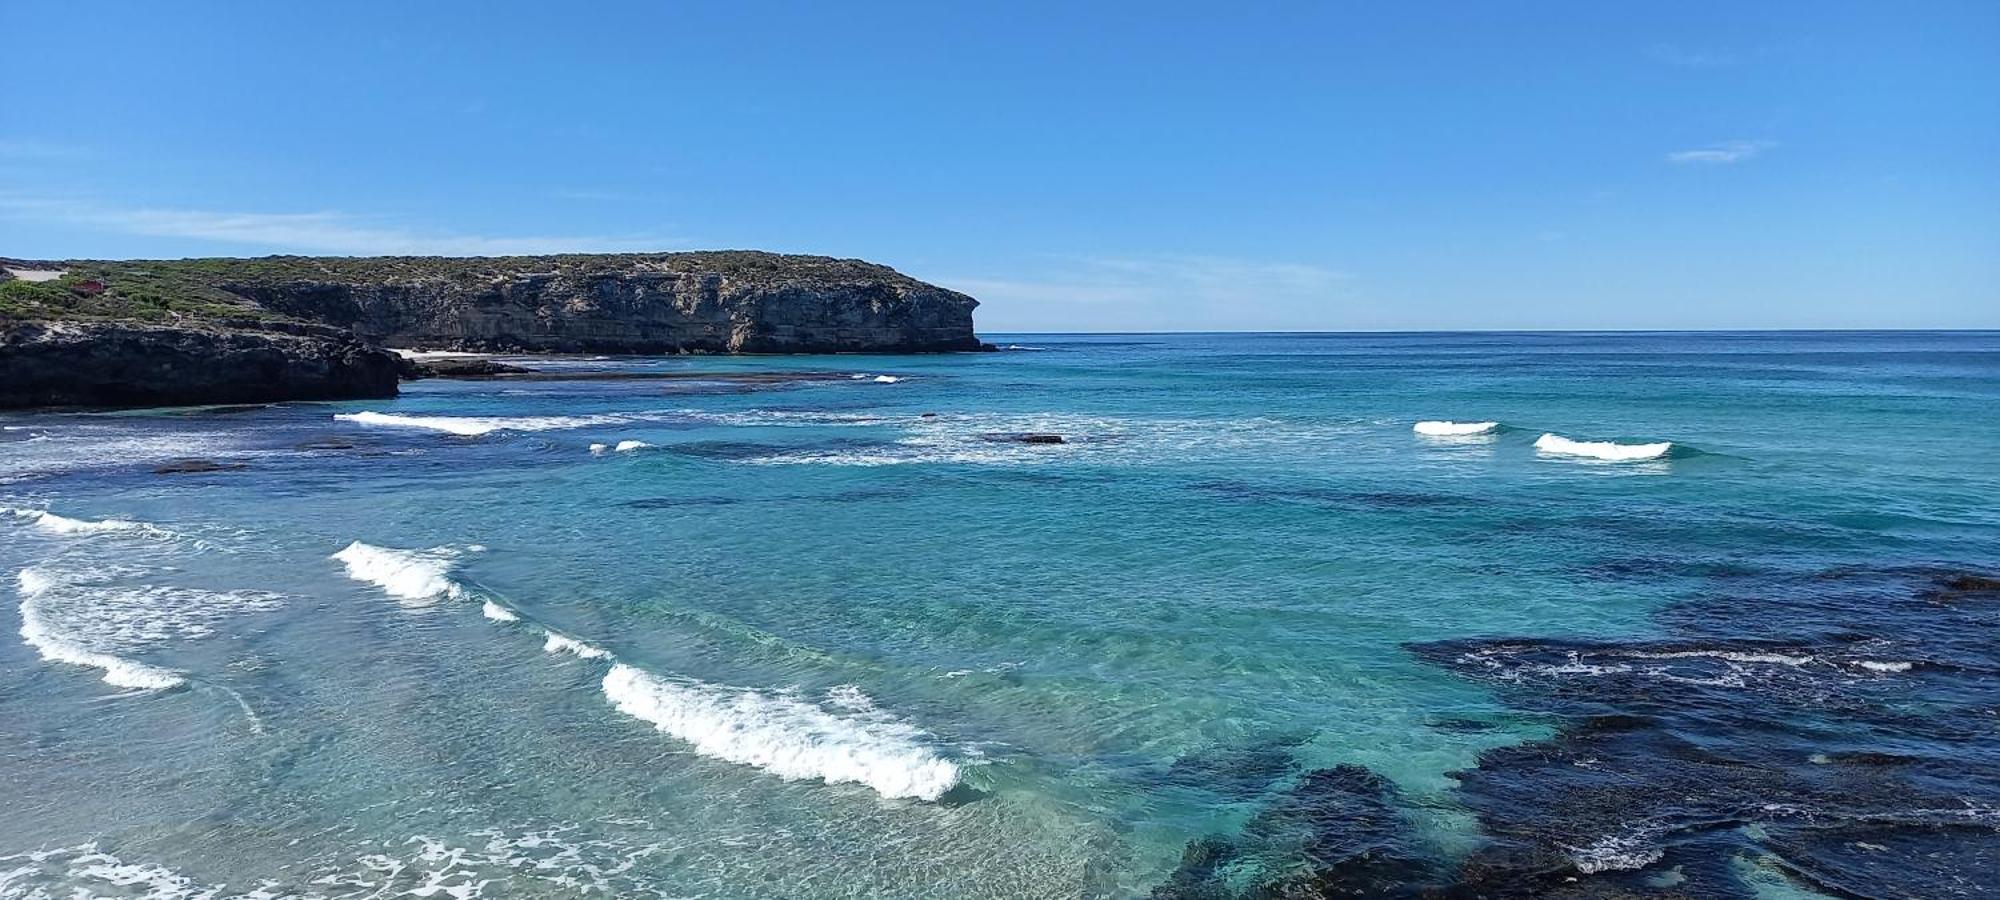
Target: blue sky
(1077, 166)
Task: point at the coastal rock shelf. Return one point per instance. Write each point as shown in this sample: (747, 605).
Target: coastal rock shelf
(93, 332)
(137, 364)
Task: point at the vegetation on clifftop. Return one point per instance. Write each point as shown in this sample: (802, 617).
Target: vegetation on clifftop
(204, 290)
(130, 292)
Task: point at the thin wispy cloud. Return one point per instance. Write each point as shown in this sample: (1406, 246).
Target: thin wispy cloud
(1721, 154)
(319, 232)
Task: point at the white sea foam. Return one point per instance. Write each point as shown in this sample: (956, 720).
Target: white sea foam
(555, 861)
(970, 438)
(55, 524)
(498, 613)
(1615, 853)
(1780, 659)
(599, 449)
(1557, 445)
(887, 379)
(631, 446)
(1437, 428)
(86, 619)
(474, 426)
(787, 418)
(786, 737)
(416, 577)
(437, 354)
(560, 644)
(1876, 665)
(53, 646)
(113, 443)
(849, 696)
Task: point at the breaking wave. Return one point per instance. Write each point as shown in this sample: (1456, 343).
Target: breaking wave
(416, 577)
(789, 738)
(620, 447)
(474, 426)
(1440, 428)
(1557, 445)
(557, 643)
(498, 613)
(55, 524)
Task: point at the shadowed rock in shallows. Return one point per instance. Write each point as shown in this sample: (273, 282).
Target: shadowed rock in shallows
(130, 364)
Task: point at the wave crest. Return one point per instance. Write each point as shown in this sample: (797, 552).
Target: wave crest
(562, 644)
(1557, 445)
(1442, 428)
(788, 738)
(416, 577)
(474, 426)
(55, 524)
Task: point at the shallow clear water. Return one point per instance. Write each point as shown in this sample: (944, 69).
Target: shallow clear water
(880, 653)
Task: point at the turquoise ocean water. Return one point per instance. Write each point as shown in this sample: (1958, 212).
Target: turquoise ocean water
(843, 637)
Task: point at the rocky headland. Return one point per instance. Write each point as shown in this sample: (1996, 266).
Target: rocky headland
(192, 331)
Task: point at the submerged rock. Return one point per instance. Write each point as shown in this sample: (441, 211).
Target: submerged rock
(458, 367)
(194, 466)
(1340, 829)
(1024, 438)
(1836, 728)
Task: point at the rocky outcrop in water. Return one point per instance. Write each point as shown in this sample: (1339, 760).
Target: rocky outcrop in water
(132, 364)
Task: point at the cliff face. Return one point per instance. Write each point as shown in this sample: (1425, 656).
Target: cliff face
(708, 303)
(240, 330)
(130, 364)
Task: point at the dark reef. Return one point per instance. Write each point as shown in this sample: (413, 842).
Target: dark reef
(1840, 730)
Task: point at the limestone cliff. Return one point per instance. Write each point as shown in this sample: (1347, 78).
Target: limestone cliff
(734, 302)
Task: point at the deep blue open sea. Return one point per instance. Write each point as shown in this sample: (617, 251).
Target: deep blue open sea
(810, 627)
